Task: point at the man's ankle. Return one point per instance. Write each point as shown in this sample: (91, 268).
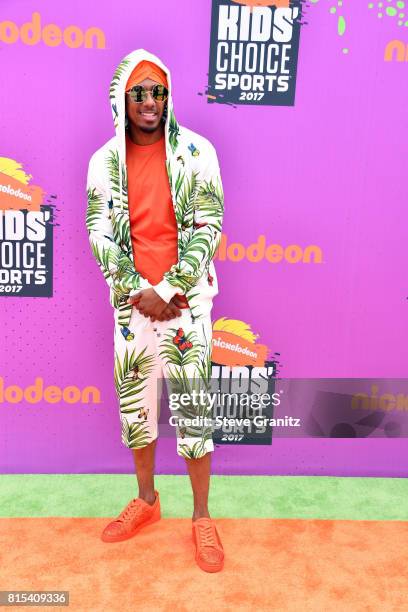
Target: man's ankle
(202, 513)
(148, 497)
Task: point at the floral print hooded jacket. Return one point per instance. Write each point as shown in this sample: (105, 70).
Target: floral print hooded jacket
(198, 200)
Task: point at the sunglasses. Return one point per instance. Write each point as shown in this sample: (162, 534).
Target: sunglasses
(139, 93)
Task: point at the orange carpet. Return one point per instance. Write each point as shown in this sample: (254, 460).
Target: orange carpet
(271, 564)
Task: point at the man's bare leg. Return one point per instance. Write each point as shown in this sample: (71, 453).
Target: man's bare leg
(199, 471)
(144, 465)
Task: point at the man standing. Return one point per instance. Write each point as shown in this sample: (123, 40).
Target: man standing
(154, 217)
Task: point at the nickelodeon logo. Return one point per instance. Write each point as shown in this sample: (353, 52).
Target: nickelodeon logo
(15, 190)
(234, 344)
(32, 32)
(396, 50)
(274, 253)
(386, 401)
(33, 394)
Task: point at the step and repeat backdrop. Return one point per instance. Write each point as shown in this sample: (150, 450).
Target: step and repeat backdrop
(305, 103)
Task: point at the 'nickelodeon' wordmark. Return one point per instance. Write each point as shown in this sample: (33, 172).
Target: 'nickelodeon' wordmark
(386, 401)
(52, 394)
(33, 32)
(396, 51)
(15, 190)
(274, 253)
(234, 344)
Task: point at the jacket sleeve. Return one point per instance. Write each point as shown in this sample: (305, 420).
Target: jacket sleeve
(117, 268)
(206, 235)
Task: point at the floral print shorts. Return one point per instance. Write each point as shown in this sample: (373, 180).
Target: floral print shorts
(178, 351)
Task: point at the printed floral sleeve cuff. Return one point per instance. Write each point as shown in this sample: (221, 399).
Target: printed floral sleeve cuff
(165, 290)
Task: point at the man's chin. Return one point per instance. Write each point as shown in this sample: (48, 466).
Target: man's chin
(149, 129)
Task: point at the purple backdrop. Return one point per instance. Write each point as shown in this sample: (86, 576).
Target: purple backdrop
(330, 171)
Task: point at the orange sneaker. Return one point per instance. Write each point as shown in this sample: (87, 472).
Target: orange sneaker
(136, 515)
(209, 550)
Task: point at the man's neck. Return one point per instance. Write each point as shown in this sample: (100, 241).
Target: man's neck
(145, 138)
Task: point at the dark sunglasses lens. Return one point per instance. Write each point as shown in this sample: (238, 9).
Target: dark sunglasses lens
(137, 93)
(160, 93)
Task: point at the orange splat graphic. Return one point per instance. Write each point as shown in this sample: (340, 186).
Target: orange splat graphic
(254, 3)
(15, 191)
(224, 350)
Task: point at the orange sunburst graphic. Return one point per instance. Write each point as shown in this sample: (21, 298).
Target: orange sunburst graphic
(15, 191)
(233, 344)
(254, 3)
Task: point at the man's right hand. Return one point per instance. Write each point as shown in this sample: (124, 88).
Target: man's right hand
(170, 312)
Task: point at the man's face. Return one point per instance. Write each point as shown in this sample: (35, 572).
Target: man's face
(145, 115)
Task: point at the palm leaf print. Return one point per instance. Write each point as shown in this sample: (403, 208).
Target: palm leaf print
(200, 204)
(135, 435)
(173, 355)
(121, 228)
(196, 451)
(95, 208)
(199, 248)
(185, 199)
(210, 199)
(194, 307)
(113, 167)
(120, 220)
(130, 374)
(180, 383)
(106, 258)
(174, 131)
(179, 182)
(205, 366)
(116, 77)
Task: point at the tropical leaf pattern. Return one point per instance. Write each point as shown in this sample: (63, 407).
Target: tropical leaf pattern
(197, 450)
(174, 131)
(188, 372)
(198, 199)
(135, 435)
(131, 373)
(184, 354)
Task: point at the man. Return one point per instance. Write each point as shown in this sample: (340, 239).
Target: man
(154, 217)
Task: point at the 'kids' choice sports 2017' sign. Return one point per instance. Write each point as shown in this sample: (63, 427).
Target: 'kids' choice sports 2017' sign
(254, 50)
(26, 234)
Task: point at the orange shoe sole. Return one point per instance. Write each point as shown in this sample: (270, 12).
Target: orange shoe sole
(156, 516)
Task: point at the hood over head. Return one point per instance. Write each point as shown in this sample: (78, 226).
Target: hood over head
(147, 70)
(117, 98)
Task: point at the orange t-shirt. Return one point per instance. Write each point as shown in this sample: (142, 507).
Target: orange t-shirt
(153, 226)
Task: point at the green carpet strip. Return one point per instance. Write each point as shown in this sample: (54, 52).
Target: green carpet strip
(305, 497)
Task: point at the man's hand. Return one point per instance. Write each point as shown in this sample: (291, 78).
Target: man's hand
(148, 303)
(170, 311)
